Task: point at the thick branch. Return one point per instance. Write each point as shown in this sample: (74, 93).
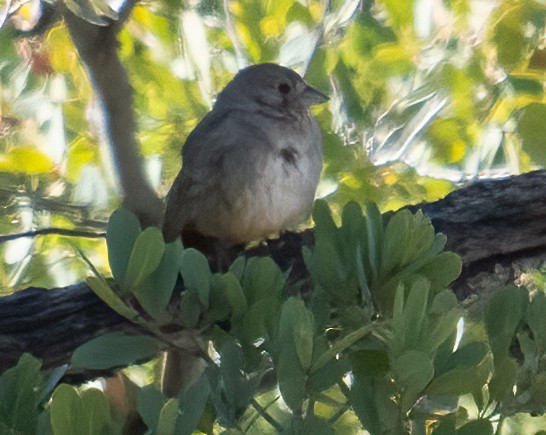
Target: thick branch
(97, 47)
(490, 222)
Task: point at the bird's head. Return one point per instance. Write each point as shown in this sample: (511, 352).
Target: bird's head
(270, 85)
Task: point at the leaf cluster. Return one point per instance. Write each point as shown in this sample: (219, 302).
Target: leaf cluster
(380, 343)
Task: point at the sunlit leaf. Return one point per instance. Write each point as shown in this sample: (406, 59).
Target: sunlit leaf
(26, 159)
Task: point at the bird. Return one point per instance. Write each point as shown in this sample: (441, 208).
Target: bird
(251, 166)
(250, 169)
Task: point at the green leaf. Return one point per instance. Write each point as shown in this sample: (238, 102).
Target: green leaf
(327, 267)
(443, 302)
(509, 38)
(101, 288)
(374, 232)
(196, 274)
(168, 417)
(296, 323)
(502, 383)
(93, 12)
(123, 229)
(262, 279)
(234, 295)
(19, 395)
(503, 315)
(85, 413)
(291, 377)
(536, 319)
(459, 381)
(155, 293)
(531, 129)
(416, 306)
(395, 242)
(413, 370)
(476, 427)
(190, 309)
(114, 350)
(325, 227)
(372, 400)
(443, 269)
(150, 403)
(313, 425)
(145, 257)
(192, 405)
(237, 387)
(66, 410)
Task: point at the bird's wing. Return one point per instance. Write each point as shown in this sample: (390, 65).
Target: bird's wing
(221, 153)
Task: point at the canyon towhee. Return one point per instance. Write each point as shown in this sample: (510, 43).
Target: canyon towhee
(251, 166)
(249, 169)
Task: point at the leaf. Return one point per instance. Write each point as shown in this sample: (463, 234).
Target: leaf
(395, 244)
(196, 274)
(192, 405)
(536, 319)
(168, 417)
(476, 427)
(262, 279)
(296, 323)
(150, 403)
(66, 410)
(413, 370)
(25, 159)
(502, 317)
(85, 413)
(325, 227)
(443, 269)
(372, 400)
(85, 10)
(114, 350)
(238, 388)
(459, 381)
(374, 232)
(101, 288)
(415, 313)
(19, 394)
(123, 229)
(531, 128)
(291, 378)
(190, 309)
(509, 38)
(145, 257)
(155, 293)
(314, 425)
(234, 295)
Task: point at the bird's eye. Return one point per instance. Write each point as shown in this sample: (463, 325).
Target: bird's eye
(284, 88)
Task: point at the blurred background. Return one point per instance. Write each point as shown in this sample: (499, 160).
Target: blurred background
(426, 96)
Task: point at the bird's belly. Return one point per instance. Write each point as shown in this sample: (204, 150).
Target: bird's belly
(280, 197)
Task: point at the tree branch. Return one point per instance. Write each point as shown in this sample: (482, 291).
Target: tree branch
(97, 47)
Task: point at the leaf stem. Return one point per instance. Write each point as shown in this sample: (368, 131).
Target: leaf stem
(261, 410)
(341, 345)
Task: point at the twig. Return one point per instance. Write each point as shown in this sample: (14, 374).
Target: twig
(53, 231)
(262, 411)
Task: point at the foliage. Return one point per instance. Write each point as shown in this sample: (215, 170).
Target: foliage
(419, 100)
(381, 343)
(378, 343)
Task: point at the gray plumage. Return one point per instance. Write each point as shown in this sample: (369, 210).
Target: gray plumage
(252, 165)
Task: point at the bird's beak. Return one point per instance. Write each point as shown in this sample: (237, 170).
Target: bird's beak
(311, 96)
